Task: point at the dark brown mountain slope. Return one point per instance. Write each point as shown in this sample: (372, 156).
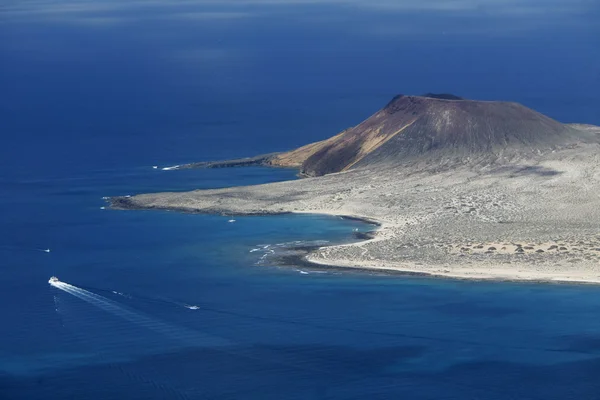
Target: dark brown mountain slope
(429, 127)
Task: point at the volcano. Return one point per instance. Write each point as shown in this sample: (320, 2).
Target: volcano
(433, 127)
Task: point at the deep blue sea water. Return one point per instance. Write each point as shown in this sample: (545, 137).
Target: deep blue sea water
(167, 305)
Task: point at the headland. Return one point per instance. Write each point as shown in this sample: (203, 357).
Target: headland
(459, 188)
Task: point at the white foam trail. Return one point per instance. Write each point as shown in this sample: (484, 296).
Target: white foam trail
(187, 336)
(122, 294)
(192, 307)
(22, 248)
(170, 168)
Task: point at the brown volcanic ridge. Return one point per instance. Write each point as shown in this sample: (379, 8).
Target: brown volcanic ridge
(435, 127)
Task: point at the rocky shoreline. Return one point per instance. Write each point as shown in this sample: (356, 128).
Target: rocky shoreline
(261, 160)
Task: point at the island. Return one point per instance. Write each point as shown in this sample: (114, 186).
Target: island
(459, 188)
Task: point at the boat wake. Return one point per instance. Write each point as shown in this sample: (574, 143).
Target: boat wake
(122, 294)
(24, 248)
(187, 336)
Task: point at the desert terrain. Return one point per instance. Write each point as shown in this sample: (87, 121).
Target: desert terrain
(505, 201)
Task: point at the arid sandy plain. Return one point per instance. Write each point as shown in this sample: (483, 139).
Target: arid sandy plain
(532, 217)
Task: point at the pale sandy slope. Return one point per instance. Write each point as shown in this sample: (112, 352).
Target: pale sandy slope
(536, 217)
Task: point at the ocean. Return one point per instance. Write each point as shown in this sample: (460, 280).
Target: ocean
(157, 304)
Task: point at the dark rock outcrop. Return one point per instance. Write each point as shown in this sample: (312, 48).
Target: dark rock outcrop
(238, 162)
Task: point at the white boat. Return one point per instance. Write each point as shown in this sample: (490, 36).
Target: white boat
(53, 279)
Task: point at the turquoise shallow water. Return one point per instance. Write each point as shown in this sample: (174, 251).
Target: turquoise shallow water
(168, 305)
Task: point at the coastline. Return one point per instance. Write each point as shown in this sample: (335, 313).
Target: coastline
(504, 275)
(532, 219)
(312, 258)
(414, 269)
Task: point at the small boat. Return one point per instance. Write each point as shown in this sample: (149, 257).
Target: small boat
(53, 279)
